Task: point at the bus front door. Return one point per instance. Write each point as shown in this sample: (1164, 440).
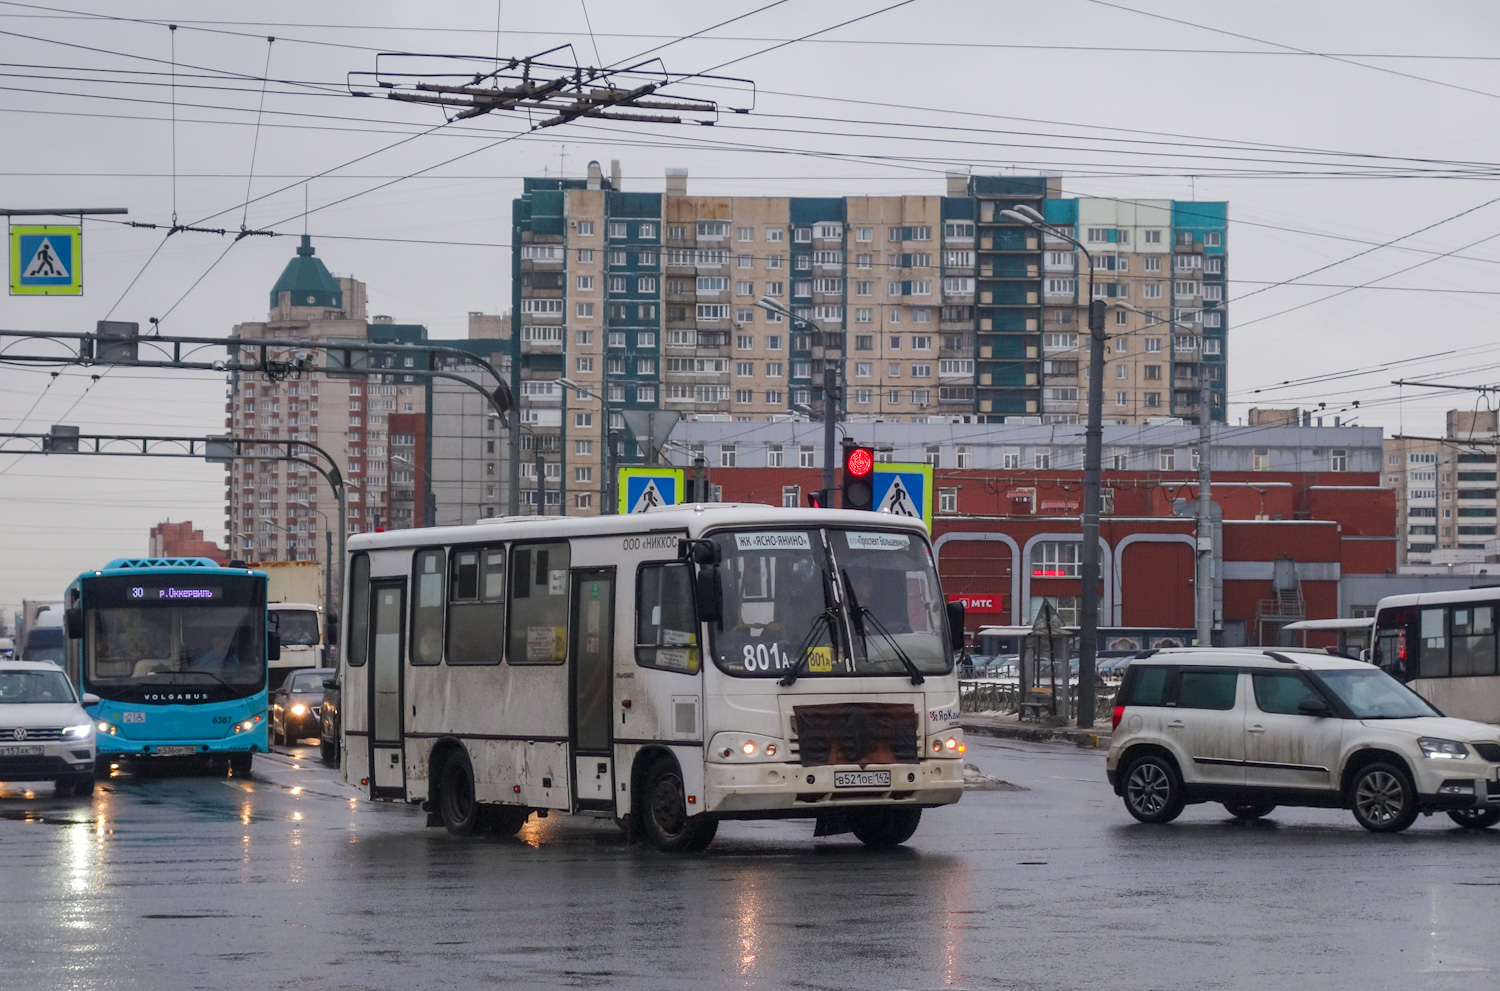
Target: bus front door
(590, 678)
(387, 659)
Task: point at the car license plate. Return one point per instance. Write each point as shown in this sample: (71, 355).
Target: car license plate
(32, 751)
(175, 751)
(861, 779)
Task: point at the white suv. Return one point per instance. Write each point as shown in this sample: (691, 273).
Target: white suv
(44, 732)
(1255, 729)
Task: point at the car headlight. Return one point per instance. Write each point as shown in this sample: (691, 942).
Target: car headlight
(299, 709)
(80, 732)
(1439, 749)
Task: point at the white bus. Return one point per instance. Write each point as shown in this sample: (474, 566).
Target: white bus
(1442, 645)
(668, 669)
(299, 625)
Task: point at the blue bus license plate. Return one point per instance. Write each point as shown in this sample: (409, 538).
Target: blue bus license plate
(175, 751)
(861, 779)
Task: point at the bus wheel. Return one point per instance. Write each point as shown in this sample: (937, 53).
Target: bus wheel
(239, 764)
(457, 805)
(503, 820)
(881, 829)
(665, 816)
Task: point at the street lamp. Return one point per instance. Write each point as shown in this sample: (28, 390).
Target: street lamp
(328, 612)
(1088, 626)
(830, 390)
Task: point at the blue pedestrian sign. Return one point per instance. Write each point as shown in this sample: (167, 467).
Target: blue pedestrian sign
(649, 488)
(46, 261)
(903, 490)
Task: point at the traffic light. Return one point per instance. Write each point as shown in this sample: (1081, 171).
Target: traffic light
(859, 478)
(818, 499)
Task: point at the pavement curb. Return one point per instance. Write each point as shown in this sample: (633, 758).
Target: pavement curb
(1011, 729)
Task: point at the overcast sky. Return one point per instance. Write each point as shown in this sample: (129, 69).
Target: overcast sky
(1331, 129)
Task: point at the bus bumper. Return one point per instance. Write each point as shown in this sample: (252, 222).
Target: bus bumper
(795, 790)
(252, 742)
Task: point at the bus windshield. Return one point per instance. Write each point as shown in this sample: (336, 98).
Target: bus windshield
(296, 627)
(1373, 694)
(141, 635)
(778, 585)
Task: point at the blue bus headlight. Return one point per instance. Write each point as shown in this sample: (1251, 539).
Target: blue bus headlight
(80, 732)
(109, 728)
(247, 725)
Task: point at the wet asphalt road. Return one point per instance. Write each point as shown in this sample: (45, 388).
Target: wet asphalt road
(289, 880)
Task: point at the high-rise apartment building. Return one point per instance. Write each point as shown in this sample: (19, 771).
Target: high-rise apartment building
(1446, 490)
(928, 307)
(278, 510)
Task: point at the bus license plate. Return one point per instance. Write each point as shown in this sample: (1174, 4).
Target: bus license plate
(175, 751)
(32, 751)
(861, 779)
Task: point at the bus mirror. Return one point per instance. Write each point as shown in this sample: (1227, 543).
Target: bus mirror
(273, 646)
(73, 620)
(956, 625)
(709, 595)
(700, 551)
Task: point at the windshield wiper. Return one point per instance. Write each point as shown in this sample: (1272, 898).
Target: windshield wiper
(199, 671)
(860, 614)
(824, 620)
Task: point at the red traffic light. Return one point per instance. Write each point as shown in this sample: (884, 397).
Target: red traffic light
(859, 461)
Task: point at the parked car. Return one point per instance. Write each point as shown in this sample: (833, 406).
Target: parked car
(1255, 729)
(331, 720)
(44, 732)
(297, 704)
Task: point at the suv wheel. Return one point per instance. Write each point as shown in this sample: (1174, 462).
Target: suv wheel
(1250, 810)
(1153, 791)
(1383, 799)
(1475, 818)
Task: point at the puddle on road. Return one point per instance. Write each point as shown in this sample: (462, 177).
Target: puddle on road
(55, 819)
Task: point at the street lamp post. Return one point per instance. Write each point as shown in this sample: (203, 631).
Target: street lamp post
(830, 393)
(1088, 624)
(327, 561)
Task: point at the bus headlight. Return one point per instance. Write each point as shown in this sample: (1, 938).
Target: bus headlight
(80, 732)
(743, 747)
(105, 727)
(248, 724)
(948, 746)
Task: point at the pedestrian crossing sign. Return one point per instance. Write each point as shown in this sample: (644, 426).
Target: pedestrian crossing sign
(46, 261)
(903, 490)
(649, 488)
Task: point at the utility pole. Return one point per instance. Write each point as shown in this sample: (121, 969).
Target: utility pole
(1204, 570)
(541, 488)
(830, 418)
(1093, 458)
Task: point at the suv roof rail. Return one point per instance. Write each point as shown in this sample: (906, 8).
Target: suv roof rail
(1145, 653)
(1279, 656)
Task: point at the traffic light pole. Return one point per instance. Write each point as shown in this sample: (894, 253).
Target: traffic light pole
(830, 420)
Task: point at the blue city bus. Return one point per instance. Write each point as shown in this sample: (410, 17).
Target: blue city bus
(177, 651)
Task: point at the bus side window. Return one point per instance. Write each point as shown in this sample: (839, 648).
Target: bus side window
(666, 629)
(538, 604)
(1434, 634)
(1473, 640)
(427, 608)
(359, 610)
(476, 605)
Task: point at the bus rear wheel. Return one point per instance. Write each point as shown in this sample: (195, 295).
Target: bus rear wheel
(457, 806)
(664, 813)
(881, 829)
(503, 820)
(239, 764)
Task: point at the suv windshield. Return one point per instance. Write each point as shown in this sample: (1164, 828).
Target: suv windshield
(777, 583)
(1373, 694)
(34, 686)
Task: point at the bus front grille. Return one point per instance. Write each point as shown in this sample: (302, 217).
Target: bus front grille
(855, 733)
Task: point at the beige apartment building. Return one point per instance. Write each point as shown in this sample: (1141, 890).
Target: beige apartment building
(1446, 490)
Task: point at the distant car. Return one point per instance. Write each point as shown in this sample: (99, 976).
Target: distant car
(297, 704)
(331, 721)
(44, 732)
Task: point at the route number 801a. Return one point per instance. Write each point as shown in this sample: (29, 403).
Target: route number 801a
(763, 657)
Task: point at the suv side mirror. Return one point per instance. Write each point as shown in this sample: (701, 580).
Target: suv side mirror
(1313, 706)
(88, 699)
(956, 625)
(330, 683)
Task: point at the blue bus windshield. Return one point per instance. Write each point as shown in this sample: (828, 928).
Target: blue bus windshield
(144, 634)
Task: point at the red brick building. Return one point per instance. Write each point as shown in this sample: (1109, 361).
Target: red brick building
(181, 540)
(1007, 540)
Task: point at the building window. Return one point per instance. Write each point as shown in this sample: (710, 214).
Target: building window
(933, 455)
(585, 228)
(1338, 460)
(947, 500)
(1041, 457)
(1010, 458)
(1166, 459)
(963, 456)
(728, 454)
(1261, 459)
(1056, 559)
(806, 455)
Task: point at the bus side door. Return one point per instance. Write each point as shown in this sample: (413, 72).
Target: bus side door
(387, 662)
(590, 692)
